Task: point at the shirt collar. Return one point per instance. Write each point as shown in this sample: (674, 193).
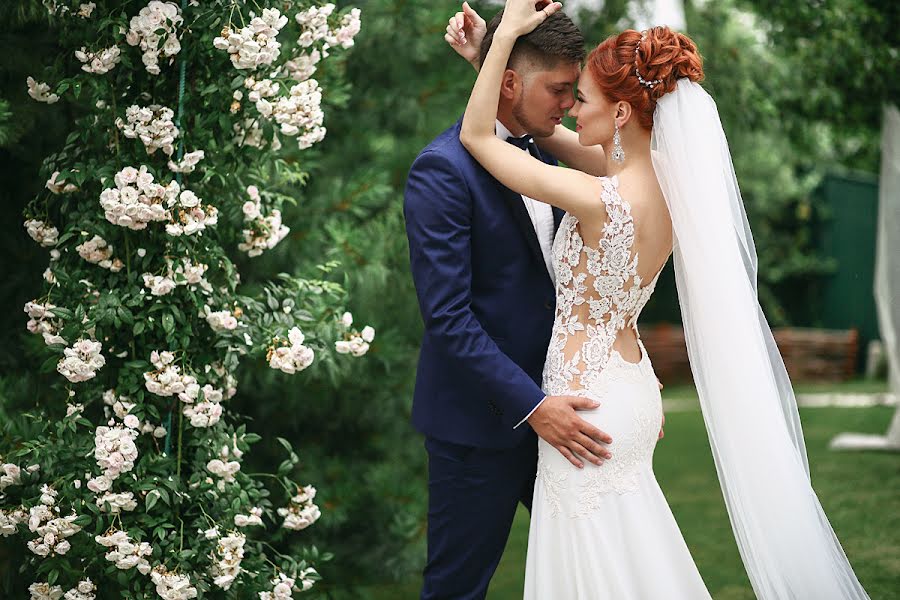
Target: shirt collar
(503, 132)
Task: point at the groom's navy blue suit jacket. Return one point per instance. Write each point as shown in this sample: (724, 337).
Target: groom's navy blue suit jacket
(485, 295)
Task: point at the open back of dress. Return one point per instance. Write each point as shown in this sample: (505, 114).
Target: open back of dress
(598, 294)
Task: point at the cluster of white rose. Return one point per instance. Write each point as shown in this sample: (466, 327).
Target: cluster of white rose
(153, 125)
(314, 26)
(10, 520)
(52, 530)
(40, 91)
(207, 411)
(300, 114)
(43, 233)
(186, 273)
(290, 356)
(115, 453)
(60, 187)
(189, 215)
(251, 520)
(116, 503)
(264, 232)
(303, 66)
(191, 273)
(100, 62)
(255, 44)
(121, 406)
(355, 342)
(85, 590)
(226, 469)
(159, 285)
(10, 474)
(99, 252)
(283, 587)
(172, 586)
(40, 320)
(155, 23)
(84, 9)
(136, 200)
(220, 320)
(81, 361)
(227, 559)
(301, 512)
(167, 379)
(125, 552)
(188, 162)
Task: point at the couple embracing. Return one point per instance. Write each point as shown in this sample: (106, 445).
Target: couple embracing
(533, 385)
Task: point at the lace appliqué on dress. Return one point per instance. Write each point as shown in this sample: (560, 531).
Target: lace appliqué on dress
(620, 474)
(606, 271)
(553, 483)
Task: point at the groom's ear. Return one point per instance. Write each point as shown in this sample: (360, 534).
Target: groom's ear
(510, 85)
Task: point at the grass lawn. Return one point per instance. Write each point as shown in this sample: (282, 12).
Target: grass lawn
(859, 491)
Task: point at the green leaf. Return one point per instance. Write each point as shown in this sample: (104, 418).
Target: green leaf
(64, 313)
(138, 328)
(168, 323)
(286, 444)
(151, 499)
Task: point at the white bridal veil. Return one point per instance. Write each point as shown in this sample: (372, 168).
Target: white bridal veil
(787, 544)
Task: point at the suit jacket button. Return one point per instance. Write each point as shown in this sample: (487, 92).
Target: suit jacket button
(548, 306)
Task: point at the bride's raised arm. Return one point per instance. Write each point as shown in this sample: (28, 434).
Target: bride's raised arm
(568, 189)
(465, 31)
(564, 145)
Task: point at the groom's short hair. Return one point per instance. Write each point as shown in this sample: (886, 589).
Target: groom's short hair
(555, 40)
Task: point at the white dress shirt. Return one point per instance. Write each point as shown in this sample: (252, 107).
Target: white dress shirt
(541, 215)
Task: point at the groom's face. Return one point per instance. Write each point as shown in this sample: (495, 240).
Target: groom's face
(545, 97)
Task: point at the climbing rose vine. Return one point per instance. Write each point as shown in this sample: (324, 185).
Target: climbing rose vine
(192, 119)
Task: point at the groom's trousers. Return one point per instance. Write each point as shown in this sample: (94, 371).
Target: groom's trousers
(473, 494)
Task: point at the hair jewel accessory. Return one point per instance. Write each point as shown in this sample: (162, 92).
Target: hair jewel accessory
(644, 82)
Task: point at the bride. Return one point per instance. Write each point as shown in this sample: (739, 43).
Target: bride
(606, 531)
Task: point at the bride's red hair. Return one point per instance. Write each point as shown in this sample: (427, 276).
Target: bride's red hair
(662, 54)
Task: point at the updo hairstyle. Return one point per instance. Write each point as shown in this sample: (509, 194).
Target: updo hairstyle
(642, 68)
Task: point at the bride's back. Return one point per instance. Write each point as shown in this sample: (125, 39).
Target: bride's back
(606, 270)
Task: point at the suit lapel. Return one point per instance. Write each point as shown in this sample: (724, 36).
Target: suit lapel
(517, 209)
(519, 213)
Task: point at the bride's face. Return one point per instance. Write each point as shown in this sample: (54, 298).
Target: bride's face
(594, 115)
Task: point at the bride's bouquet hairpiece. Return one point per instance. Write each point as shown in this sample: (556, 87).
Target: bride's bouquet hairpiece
(644, 82)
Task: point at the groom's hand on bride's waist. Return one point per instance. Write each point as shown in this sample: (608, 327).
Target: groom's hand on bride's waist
(557, 423)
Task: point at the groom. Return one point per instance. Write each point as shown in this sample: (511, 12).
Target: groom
(480, 260)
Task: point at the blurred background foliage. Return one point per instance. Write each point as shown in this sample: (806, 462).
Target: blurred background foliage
(799, 86)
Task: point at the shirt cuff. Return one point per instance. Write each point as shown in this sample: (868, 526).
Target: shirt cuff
(530, 413)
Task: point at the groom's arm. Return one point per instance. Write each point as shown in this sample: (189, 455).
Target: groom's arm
(438, 210)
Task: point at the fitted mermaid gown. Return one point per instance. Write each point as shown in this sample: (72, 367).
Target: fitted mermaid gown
(604, 532)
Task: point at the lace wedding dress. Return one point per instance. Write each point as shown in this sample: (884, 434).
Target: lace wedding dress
(607, 531)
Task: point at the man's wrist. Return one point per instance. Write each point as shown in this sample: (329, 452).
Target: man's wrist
(533, 410)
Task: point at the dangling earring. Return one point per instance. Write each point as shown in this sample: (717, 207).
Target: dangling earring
(618, 153)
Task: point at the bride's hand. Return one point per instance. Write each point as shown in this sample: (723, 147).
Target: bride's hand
(523, 16)
(465, 32)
